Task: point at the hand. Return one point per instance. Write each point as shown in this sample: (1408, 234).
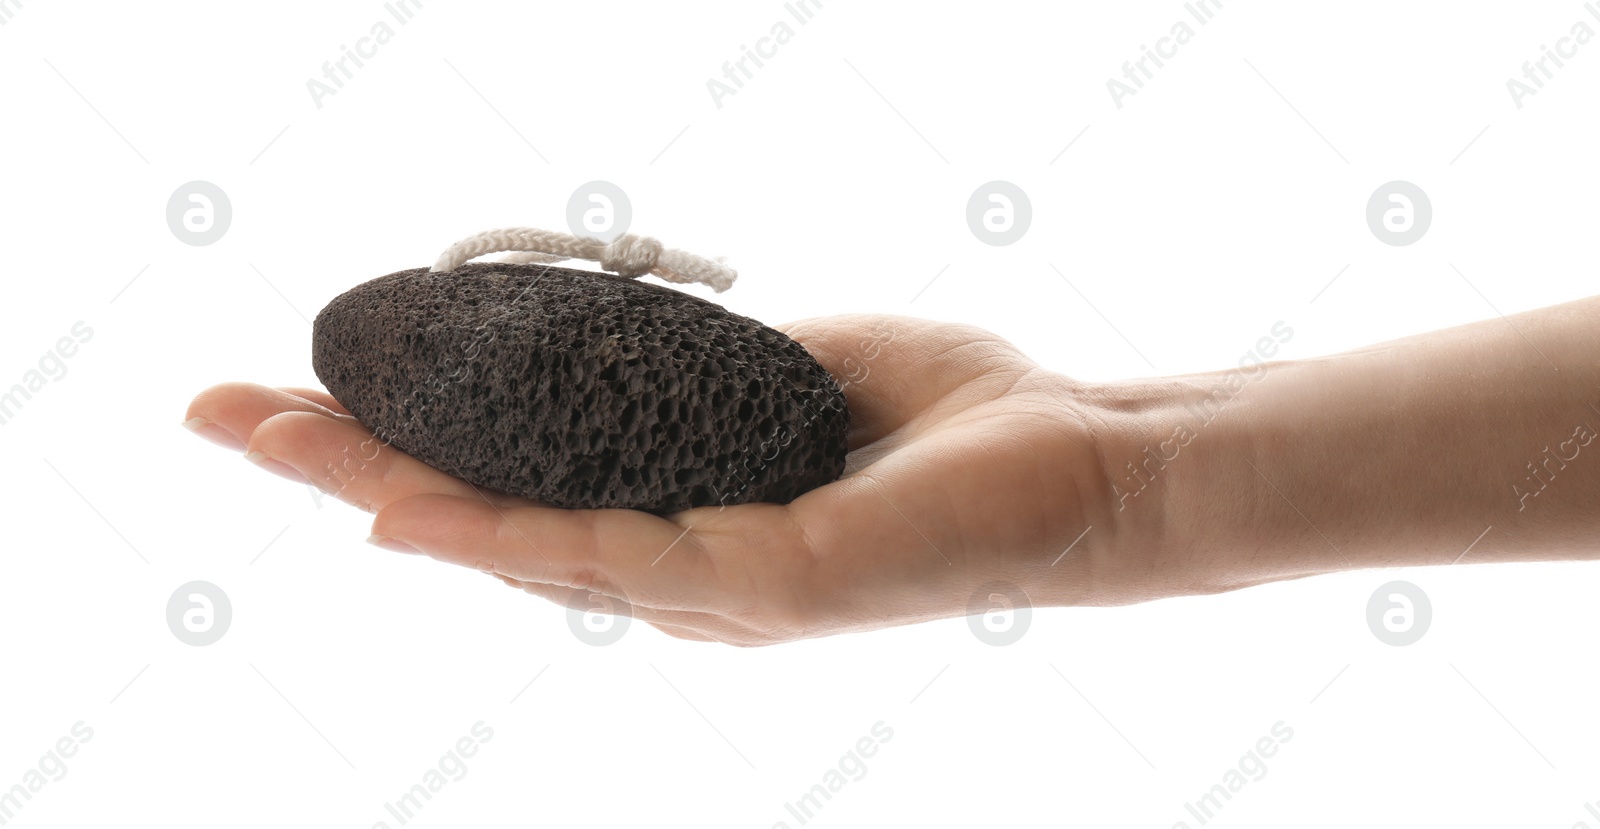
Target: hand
(969, 464)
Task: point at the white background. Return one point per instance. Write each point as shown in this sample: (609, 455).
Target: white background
(1193, 218)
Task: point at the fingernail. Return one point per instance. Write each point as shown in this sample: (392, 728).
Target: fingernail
(393, 545)
(214, 433)
(276, 467)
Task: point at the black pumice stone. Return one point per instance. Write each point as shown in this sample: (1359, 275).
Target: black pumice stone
(580, 389)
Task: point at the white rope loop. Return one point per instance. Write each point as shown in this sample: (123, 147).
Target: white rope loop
(627, 255)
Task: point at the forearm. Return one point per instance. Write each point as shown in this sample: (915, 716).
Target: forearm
(1404, 453)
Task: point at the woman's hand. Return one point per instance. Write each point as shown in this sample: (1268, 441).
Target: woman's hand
(971, 471)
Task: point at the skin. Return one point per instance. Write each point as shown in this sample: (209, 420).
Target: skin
(971, 465)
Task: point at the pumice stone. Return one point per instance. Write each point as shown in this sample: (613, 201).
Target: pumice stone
(582, 389)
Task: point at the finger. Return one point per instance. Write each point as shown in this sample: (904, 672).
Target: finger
(344, 459)
(646, 559)
(229, 412)
(679, 624)
(588, 600)
(677, 632)
(709, 626)
(785, 328)
(895, 369)
(509, 581)
(321, 398)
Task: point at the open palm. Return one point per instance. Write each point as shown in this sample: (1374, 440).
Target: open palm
(969, 466)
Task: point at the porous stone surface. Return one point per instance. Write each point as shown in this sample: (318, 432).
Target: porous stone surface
(581, 389)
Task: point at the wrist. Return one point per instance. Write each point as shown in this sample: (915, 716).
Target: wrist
(1188, 510)
(1398, 454)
